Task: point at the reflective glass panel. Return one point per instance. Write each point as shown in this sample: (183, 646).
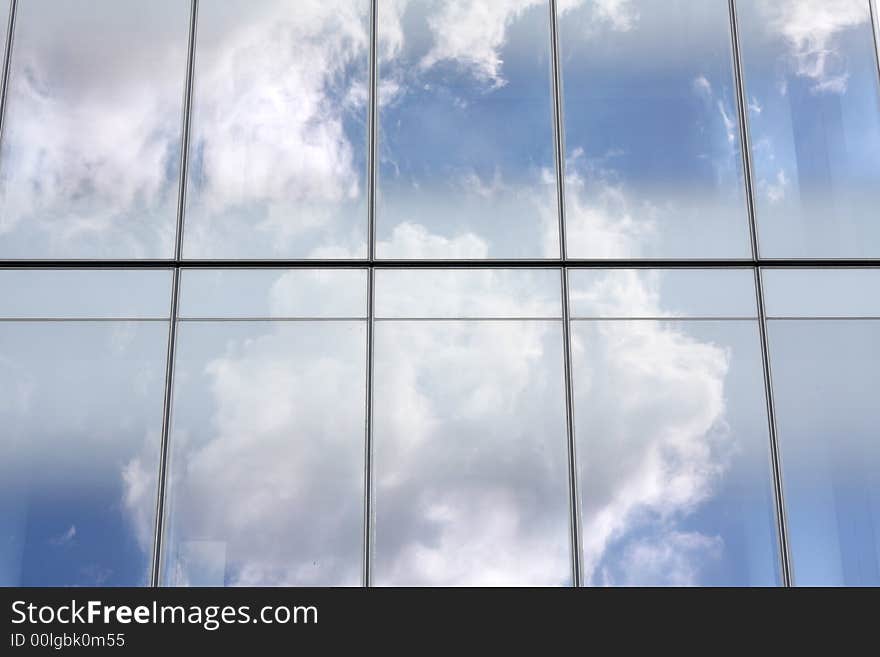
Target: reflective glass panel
(653, 158)
(274, 293)
(672, 439)
(85, 293)
(468, 293)
(814, 111)
(80, 429)
(466, 159)
(279, 131)
(470, 452)
(822, 292)
(91, 138)
(662, 293)
(267, 448)
(825, 383)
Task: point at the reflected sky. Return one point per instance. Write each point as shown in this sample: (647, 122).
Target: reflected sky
(267, 447)
(653, 158)
(825, 383)
(267, 439)
(278, 142)
(81, 401)
(814, 112)
(470, 463)
(466, 161)
(675, 481)
(91, 137)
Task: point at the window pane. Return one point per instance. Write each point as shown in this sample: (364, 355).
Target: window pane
(82, 415)
(91, 140)
(292, 293)
(470, 462)
(814, 111)
(278, 150)
(466, 131)
(85, 293)
(822, 292)
(666, 293)
(267, 446)
(468, 293)
(653, 158)
(825, 381)
(672, 445)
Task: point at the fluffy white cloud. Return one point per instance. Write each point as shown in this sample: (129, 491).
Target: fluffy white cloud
(91, 146)
(619, 15)
(601, 220)
(272, 93)
(472, 32)
(812, 30)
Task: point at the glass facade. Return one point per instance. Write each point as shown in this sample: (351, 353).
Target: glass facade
(440, 293)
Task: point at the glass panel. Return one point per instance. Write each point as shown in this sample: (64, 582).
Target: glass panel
(825, 380)
(822, 292)
(666, 293)
(279, 136)
(81, 414)
(85, 293)
(466, 159)
(468, 293)
(814, 111)
(267, 454)
(292, 293)
(91, 140)
(673, 453)
(653, 158)
(470, 460)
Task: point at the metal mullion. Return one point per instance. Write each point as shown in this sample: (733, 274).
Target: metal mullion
(559, 149)
(368, 435)
(558, 132)
(4, 85)
(175, 305)
(745, 139)
(745, 145)
(775, 452)
(372, 131)
(573, 484)
(875, 28)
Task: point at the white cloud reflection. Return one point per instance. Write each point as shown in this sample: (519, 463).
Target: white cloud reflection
(279, 128)
(812, 30)
(91, 138)
(470, 465)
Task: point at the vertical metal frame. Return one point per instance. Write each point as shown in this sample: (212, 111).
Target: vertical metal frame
(7, 57)
(162, 485)
(745, 145)
(875, 29)
(559, 150)
(371, 276)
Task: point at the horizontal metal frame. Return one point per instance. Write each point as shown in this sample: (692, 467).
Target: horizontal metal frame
(571, 263)
(732, 318)
(83, 319)
(822, 318)
(258, 318)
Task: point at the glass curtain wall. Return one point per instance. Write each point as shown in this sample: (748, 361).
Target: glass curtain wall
(439, 292)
